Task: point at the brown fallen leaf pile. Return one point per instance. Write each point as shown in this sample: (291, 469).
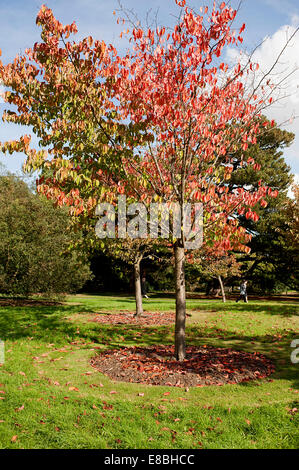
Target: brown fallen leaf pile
(204, 365)
(150, 319)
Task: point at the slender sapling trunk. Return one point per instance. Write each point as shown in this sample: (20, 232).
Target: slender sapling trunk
(222, 289)
(180, 302)
(138, 294)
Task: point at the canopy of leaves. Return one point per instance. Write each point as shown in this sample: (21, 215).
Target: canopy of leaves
(94, 111)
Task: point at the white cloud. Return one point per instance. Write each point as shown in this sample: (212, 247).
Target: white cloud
(285, 110)
(295, 19)
(288, 105)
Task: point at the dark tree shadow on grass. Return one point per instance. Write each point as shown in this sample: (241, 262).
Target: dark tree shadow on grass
(285, 309)
(51, 324)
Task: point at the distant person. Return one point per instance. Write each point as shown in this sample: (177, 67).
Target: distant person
(143, 287)
(243, 292)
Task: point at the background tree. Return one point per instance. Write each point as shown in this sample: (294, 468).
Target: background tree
(132, 252)
(289, 232)
(35, 237)
(269, 264)
(220, 267)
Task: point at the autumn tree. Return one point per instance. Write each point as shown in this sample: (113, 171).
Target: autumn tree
(157, 124)
(198, 112)
(63, 90)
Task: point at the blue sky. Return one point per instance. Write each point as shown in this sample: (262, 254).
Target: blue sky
(94, 17)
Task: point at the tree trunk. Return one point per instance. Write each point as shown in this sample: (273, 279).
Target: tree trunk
(180, 301)
(222, 289)
(138, 294)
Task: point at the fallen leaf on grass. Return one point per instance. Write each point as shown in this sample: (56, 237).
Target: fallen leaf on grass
(14, 438)
(20, 409)
(106, 406)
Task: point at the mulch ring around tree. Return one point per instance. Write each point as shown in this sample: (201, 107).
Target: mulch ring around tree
(147, 319)
(203, 366)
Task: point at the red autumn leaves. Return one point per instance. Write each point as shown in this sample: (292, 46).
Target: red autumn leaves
(203, 366)
(192, 114)
(149, 319)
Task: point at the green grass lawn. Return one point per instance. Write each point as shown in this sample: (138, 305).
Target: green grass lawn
(50, 397)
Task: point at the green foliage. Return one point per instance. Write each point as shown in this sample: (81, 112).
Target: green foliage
(35, 236)
(271, 266)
